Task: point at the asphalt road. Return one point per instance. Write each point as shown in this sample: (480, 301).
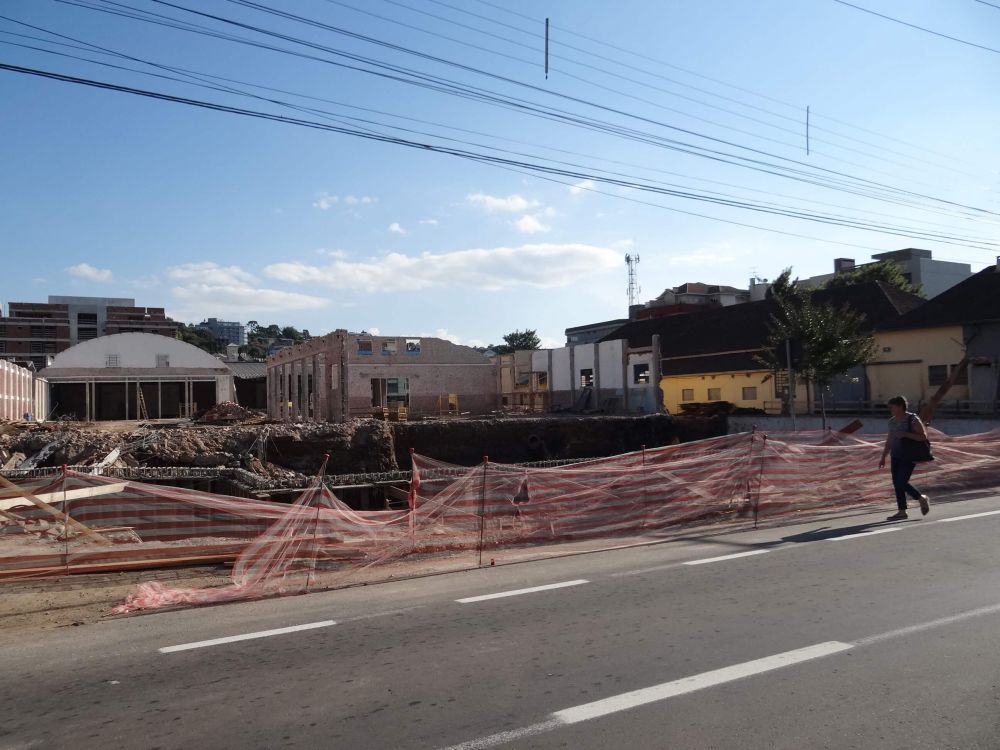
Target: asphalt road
(845, 633)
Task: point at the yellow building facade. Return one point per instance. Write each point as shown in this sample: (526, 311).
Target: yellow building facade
(914, 363)
(748, 390)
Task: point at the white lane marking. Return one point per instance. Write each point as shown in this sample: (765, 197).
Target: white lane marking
(726, 557)
(873, 532)
(246, 636)
(502, 738)
(625, 701)
(518, 592)
(709, 679)
(974, 515)
(920, 627)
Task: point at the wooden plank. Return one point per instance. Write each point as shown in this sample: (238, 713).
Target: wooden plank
(70, 522)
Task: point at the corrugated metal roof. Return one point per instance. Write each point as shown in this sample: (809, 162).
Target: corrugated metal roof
(247, 370)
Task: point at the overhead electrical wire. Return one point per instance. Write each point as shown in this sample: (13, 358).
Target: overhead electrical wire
(638, 55)
(464, 153)
(556, 56)
(468, 68)
(919, 28)
(479, 94)
(199, 79)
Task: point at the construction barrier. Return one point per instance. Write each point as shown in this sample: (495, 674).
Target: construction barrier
(458, 517)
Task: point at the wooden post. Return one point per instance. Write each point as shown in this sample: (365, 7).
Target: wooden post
(59, 515)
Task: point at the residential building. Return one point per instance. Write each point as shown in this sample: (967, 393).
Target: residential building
(342, 376)
(22, 392)
(919, 351)
(588, 334)
(686, 298)
(712, 355)
(918, 266)
(128, 376)
(38, 330)
(230, 331)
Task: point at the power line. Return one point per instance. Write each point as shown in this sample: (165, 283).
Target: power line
(617, 61)
(832, 179)
(198, 78)
(919, 28)
(992, 5)
(797, 107)
(481, 157)
(522, 84)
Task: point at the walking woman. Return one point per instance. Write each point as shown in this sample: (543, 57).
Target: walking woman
(903, 425)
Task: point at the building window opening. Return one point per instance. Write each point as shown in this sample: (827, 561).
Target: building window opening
(112, 361)
(389, 347)
(640, 374)
(750, 393)
(163, 360)
(715, 394)
(937, 374)
(687, 394)
(364, 346)
(413, 346)
(587, 378)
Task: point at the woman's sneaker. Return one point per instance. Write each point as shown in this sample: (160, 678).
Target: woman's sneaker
(925, 504)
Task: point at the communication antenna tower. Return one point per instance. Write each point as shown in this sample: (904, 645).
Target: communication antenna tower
(633, 285)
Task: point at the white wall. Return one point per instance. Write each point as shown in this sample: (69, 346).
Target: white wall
(611, 357)
(135, 350)
(562, 378)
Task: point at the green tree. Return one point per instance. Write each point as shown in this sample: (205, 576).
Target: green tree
(519, 341)
(887, 271)
(201, 338)
(825, 340)
(291, 332)
(252, 326)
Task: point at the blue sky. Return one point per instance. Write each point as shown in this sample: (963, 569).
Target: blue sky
(216, 214)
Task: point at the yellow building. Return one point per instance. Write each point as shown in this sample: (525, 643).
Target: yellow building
(735, 377)
(914, 363)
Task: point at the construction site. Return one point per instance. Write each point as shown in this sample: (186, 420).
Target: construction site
(109, 517)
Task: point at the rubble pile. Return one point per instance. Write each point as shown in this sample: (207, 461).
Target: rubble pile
(278, 452)
(229, 412)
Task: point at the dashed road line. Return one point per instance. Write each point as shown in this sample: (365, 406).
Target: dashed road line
(722, 558)
(518, 592)
(973, 515)
(246, 636)
(861, 534)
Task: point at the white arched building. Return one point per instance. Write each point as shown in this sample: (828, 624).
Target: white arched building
(136, 376)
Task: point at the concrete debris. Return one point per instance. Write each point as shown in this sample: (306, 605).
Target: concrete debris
(229, 412)
(287, 453)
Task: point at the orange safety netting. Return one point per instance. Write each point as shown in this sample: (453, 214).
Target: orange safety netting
(461, 517)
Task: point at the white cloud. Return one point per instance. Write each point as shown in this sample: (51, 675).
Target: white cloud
(209, 272)
(712, 255)
(326, 201)
(547, 342)
(581, 186)
(336, 253)
(88, 272)
(543, 266)
(39, 280)
(198, 300)
(354, 200)
(529, 225)
(374, 331)
(431, 222)
(495, 203)
(396, 229)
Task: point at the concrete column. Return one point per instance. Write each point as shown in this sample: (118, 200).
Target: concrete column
(313, 407)
(656, 374)
(296, 369)
(573, 376)
(597, 376)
